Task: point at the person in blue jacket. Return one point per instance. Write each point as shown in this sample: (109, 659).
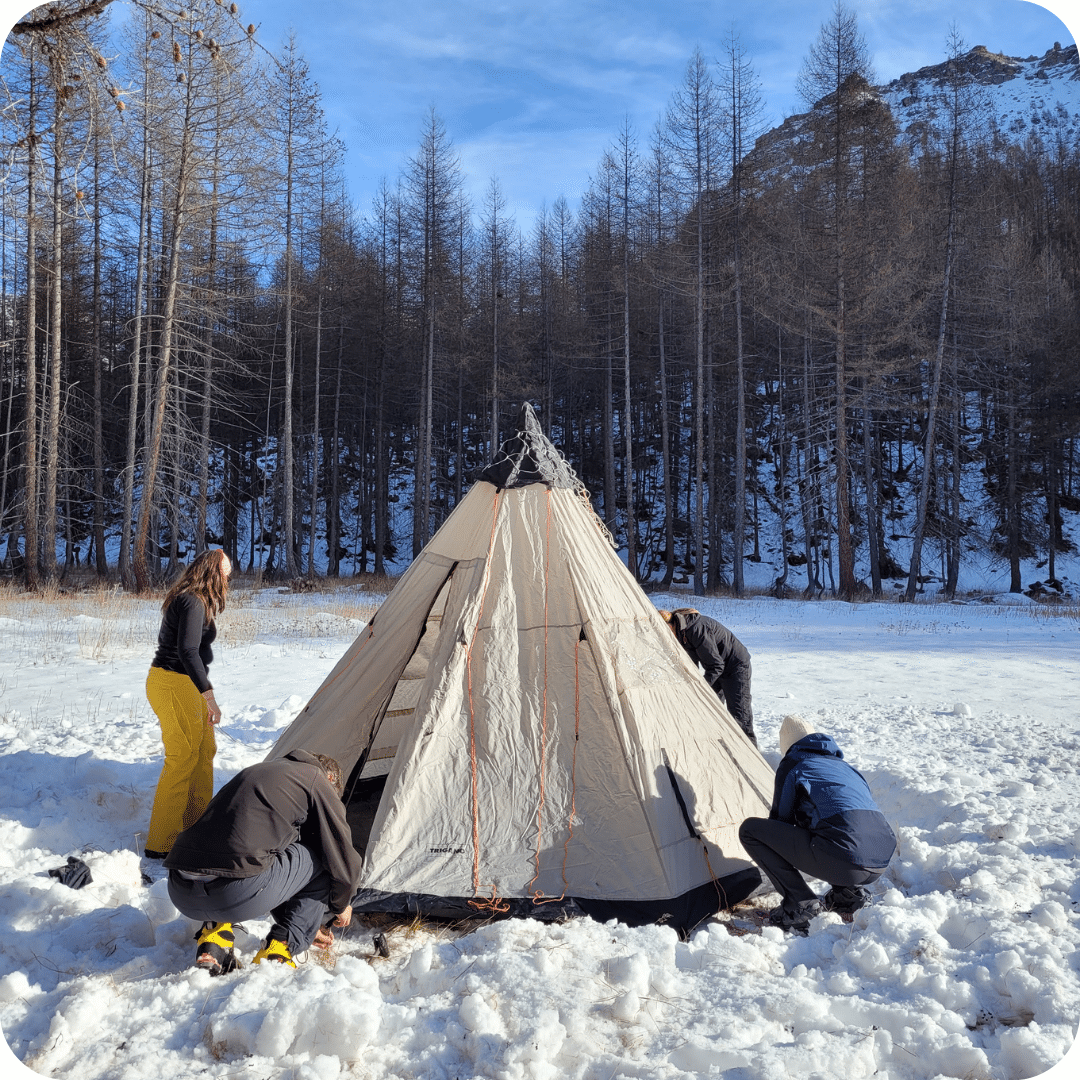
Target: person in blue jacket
(823, 822)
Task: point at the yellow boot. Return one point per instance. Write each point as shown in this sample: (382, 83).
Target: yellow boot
(277, 951)
(214, 952)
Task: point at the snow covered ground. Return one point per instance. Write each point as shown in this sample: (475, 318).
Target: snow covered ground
(965, 966)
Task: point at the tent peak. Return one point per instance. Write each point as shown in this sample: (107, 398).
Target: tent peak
(530, 457)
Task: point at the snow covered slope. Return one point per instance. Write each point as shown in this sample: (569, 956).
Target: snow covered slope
(1037, 94)
(1012, 97)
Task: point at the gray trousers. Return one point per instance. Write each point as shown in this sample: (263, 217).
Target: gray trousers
(294, 891)
(782, 850)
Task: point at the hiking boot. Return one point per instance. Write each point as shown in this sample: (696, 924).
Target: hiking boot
(845, 899)
(276, 951)
(794, 917)
(214, 952)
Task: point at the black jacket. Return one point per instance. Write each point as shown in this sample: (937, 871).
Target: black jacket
(184, 640)
(711, 644)
(261, 811)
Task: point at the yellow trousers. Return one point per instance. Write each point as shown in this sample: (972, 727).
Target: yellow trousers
(186, 783)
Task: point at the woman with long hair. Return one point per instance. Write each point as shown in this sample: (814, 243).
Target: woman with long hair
(182, 697)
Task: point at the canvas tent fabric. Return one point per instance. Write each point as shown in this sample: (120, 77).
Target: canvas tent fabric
(534, 735)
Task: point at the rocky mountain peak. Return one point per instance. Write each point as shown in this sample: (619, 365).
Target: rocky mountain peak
(987, 68)
(1014, 97)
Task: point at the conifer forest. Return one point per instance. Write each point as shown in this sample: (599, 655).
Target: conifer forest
(844, 347)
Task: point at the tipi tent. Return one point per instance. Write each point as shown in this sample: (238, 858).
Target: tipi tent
(521, 730)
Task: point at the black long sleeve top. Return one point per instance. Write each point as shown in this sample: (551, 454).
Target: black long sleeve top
(184, 641)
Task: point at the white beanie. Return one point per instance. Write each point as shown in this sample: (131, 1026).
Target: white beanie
(792, 729)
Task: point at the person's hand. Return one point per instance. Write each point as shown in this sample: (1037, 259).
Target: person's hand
(212, 707)
(323, 939)
(344, 918)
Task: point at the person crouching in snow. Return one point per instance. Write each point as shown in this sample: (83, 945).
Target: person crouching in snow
(723, 658)
(273, 841)
(823, 822)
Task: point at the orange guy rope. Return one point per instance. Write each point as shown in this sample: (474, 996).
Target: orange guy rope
(493, 904)
(538, 896)
(573, 765)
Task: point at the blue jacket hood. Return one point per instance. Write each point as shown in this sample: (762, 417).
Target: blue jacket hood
(815, 743)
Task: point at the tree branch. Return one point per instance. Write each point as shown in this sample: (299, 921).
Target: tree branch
(53, 21)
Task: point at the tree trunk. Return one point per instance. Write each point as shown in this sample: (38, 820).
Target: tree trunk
(126, 573)
(315, 438)
(1051, 510)
(208, 348)
(175, 451)
(494, 441)
(382, 483)
(871, 497)
(628, 429)
(9, 334)
(845, 561)
(333, 515)
(779, 587)
(1012, 486)
(952, 574)
(627, 409)
(101, 562)
(931, 419)
(666, 461)
(30, 439)
(699, 407)
(285, 446)
(739, 526)
(52, 433)
(811, 503)
(164, 350)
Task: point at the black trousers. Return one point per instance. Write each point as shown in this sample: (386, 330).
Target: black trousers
(783, 850)
(733, 689)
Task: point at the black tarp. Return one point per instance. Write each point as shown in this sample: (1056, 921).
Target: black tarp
(529, 457)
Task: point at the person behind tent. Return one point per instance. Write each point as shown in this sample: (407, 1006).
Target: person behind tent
(182, 697)
(724, 658)
(823, 822)
(273, 841)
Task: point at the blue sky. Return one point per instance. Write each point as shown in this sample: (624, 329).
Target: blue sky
(533, 93)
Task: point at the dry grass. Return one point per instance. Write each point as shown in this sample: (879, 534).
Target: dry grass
(112, 620)
(104, 620)
(1065, 609)
(118, 622)
(330, 614)
(376, 584)
(399, 929)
